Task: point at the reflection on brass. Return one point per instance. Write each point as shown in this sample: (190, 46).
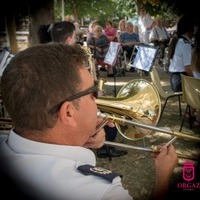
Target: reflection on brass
(91, 62)
(136, 111)
(138, 101)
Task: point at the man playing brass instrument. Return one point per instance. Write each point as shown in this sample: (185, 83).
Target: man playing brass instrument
(64, 32)
(52, 106)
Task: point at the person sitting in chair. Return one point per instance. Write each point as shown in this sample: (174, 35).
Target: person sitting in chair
(98, 44)
(159, 36)
(129, 39)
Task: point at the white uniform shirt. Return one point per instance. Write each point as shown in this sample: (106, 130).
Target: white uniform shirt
(52, 169)
(182, 56)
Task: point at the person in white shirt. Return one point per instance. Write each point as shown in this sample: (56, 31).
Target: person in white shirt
(196, 56)
(54, 114)
(159, 36)
(180, 52)
(145, 24)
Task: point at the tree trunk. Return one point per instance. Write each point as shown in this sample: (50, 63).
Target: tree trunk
(75, 10)
(11, 33)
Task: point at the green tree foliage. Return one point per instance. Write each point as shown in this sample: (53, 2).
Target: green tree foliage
(94, 9)
(113, 9)
(125, 8)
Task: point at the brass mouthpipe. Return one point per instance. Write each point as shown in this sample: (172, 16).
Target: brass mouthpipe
(123, 121)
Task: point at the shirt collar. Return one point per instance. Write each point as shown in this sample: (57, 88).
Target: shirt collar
(26, 146)
(189, 40)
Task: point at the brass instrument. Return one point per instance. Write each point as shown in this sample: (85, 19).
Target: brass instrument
(137, 101)
(136, 112)
(124, 121)
(91, 62)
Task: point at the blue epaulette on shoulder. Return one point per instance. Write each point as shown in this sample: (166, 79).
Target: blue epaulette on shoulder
(98, 171)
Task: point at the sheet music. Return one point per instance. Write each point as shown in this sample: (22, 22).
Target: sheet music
(145, 57)
(5, 57)
(113, 51)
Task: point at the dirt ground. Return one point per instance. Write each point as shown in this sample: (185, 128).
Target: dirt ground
(137, 167)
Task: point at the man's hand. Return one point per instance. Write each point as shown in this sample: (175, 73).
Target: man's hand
(165, 163)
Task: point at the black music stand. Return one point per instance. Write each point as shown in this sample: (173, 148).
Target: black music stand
(114, 78)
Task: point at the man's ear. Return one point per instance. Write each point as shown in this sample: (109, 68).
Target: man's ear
(67, 41)
(67, 113)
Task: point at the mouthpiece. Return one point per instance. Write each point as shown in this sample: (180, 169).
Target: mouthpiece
(101, 115)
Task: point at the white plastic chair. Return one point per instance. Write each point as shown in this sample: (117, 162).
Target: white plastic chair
(164, 94)
(191, 96)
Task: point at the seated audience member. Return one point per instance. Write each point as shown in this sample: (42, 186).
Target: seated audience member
(47, 152)
(121, 29)
(91, 29)
(180, 52)
(135, 29)
(159, 36)
(98, 43)
(110, 31)
(63, 32)
(129, 39)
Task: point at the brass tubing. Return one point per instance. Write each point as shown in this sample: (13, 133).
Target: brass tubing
(150, 150)
(115, 144)
(123, 121)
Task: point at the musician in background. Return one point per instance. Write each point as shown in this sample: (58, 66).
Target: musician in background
(63, 32)
(180, 52)
(46, 152)
(78, 31)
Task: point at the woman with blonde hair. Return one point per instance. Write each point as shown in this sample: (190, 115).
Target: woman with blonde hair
(121, 28)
